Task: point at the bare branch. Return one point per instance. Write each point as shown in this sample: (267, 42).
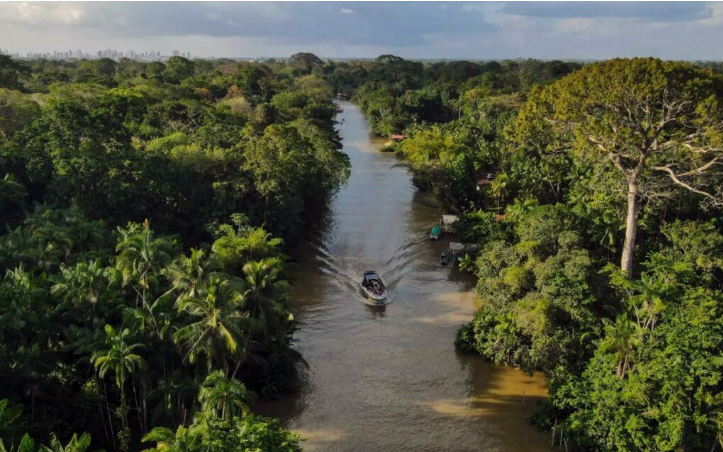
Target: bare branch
(716, 200)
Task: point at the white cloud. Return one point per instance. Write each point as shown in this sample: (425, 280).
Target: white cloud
(42, 13)
(347, 11)
(716, 17)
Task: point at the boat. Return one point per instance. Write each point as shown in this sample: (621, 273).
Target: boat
(443, 259)
(373, 286)
(436, 231)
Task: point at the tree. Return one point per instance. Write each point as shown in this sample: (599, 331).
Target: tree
(120, 359)
(646, 116)
(11, 71)
(188, 273)
(224, 397)
(238, 246)
(218, 326)
(141, 259)
(76, 444)
(16, 111)
(177, 69)
(264, 290)
(307, 62)
(621, 338)
(184, 440)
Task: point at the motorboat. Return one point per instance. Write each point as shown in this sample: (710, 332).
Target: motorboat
(443, 259)
(373, 286)
(436, 231)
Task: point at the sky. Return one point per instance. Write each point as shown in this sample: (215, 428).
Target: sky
(452, 30)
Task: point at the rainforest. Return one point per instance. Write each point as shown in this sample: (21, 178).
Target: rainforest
(156, 217)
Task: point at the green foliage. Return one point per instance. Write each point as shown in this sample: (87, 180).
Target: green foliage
(11, 72)
(107, 326)
(143, 315)
(248, 434)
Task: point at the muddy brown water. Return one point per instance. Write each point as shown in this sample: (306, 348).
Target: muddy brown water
(389, 378)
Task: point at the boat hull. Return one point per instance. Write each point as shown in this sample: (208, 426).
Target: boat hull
(369, 294)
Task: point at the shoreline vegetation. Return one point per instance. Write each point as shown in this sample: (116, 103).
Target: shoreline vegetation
(151, 207)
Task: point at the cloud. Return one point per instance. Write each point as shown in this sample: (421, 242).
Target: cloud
(470, 30)
(373, 23)
(647, 11)
(31, 13)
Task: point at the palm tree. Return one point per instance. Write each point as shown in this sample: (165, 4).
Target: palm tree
(26, 445)
(224, 397)
(142, 257)
(183, 440)
(218, 332)
(76, 444)
(621, 339)
(86, 283)
(264, 290)
(120, 359)
(187, 273)
(235, 248)
(498, 188)
(171, 393)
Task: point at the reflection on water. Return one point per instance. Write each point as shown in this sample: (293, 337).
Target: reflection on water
(388, 378)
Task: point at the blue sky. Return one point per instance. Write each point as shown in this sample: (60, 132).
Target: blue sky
(489, 30)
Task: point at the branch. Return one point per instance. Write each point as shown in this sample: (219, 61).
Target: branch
(675, 178)
(700, 169)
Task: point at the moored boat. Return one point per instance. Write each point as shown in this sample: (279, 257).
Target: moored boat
(443, 259)
(436, 231)
(373, 286)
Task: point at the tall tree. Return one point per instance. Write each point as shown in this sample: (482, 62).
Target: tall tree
(643, 115)
(120, 358)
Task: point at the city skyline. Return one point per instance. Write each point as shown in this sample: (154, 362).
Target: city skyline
(79, 54)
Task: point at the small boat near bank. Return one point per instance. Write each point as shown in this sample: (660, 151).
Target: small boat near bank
(435, 233)
(373, 287)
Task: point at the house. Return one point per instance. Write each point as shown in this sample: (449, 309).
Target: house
(456, 249)
(397, 137)
(448, 222)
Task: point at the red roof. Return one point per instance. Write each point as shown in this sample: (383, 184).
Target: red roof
(483, 182)
(499, 217)
(397, 137)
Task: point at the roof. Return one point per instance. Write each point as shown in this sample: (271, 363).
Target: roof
(449, 219)
(371, 275)
(483, 182)
(499, 217)
(455, 246)
(397, 136)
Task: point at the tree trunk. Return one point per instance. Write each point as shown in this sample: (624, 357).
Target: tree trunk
(631, 230)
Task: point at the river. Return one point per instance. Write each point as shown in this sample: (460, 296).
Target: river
(389, 378)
